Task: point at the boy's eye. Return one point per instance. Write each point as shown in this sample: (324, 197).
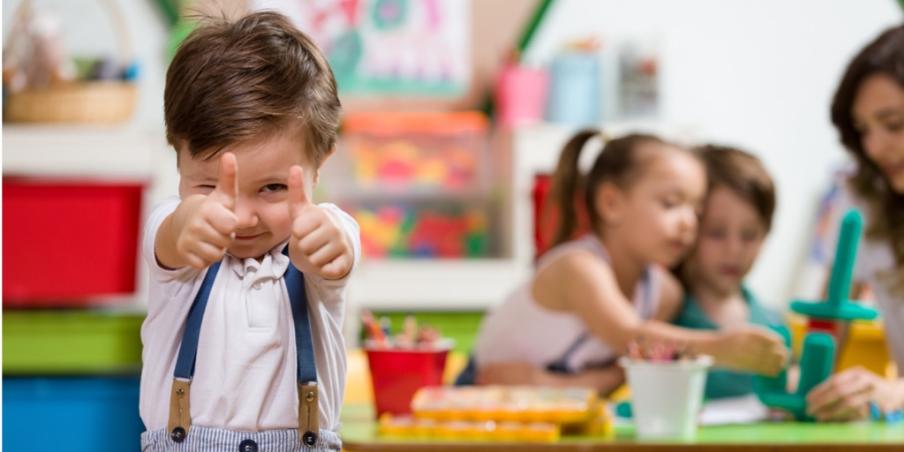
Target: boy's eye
(894, 126)
(207, 187)
(271, 188)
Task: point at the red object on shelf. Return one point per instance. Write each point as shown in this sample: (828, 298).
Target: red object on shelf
(397, 374)
(547, 212)
(68, 242)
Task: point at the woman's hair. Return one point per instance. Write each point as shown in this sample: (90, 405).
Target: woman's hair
(884, 55)
(619, 163)
(743, 174)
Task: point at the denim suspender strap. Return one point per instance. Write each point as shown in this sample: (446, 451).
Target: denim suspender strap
(308, 415)
(180, 411)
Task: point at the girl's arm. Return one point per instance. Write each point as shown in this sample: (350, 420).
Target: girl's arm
(582, 284)
(603, 380)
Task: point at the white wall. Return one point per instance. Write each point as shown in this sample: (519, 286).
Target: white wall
(757, 74)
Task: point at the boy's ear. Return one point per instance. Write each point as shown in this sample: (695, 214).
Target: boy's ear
(610, 204)
(325, 158)
(181, 148)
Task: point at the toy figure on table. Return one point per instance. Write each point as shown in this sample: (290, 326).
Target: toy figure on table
(828, 323)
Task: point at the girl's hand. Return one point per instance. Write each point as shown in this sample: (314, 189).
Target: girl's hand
(317, 244)
(510, 373)
(750, 349)
(209, 222)
(846, 396)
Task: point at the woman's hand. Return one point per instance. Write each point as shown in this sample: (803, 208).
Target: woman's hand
(846, 396)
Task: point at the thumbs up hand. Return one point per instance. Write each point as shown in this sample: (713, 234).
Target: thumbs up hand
(209, 228)
(317, 244)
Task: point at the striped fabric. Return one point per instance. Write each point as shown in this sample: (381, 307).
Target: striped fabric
(204, 439)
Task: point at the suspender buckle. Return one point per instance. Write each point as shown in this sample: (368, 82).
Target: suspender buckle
(180, 413)
(308, 416)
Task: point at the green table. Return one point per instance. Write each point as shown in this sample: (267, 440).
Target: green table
(359, 434)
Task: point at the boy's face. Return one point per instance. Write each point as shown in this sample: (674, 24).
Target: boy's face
(261, 202)
(731, 235)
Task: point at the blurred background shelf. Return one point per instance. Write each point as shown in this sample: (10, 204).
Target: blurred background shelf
(443, 285)
(99, 151)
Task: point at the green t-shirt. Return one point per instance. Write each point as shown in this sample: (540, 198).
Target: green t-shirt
(726, 383)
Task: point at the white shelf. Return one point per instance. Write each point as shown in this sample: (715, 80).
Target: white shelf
(435, 284)
(82, 151)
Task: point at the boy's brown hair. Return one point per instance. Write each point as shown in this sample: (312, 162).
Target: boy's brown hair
(743, 174)
(233, 80)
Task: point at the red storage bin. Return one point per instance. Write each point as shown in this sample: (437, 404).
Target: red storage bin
(68, 242)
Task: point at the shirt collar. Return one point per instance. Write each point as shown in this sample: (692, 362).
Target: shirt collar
(272, 265)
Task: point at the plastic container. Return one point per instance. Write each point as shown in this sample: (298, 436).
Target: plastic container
(71, 414)
(415, 152)
(575, 89)
(522, 404)
(71, 342)
(69, 242)
(521, 95)
(666, 396)
(396, 374)
(433, 229)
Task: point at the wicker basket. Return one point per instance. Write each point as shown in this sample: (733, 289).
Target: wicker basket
(91, 102)
(100, 102)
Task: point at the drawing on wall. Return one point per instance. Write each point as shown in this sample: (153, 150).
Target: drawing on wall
(384, 47)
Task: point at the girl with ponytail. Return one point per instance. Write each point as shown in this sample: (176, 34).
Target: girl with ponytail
(594, 294)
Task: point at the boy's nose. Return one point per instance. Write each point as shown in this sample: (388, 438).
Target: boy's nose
(247, 216)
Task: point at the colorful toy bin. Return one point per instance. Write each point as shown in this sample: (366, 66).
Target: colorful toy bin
(423, 151)
(420, 183)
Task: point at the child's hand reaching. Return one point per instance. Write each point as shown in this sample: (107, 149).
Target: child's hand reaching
(317, 244)
(210, 221)
(750, 349)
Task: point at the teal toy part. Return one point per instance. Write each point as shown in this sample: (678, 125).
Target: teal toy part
(816, 366)
(624, 409)
(837, 306)
(777, 384)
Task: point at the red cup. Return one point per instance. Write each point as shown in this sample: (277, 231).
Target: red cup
(396, 374)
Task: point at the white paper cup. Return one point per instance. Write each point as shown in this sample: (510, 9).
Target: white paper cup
(666, 396)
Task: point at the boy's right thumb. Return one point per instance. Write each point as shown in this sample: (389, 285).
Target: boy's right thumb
(227, 188)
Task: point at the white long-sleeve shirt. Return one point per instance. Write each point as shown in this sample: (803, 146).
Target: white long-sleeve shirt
(245, 373)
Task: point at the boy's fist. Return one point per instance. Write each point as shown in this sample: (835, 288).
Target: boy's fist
(210, 229)
(317, 243)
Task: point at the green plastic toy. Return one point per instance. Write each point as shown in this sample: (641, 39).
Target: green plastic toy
(837, 306)
(819, 348)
